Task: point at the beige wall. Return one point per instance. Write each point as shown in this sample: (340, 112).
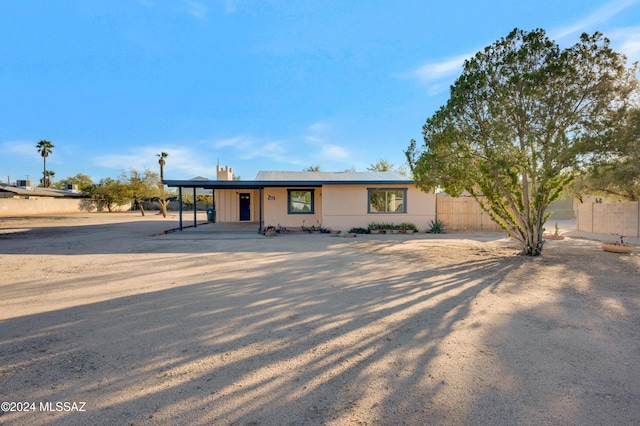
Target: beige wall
(48, 205)
(346, 206)
(276, 211)
(563, 208)
(610, 219)
(228, 204)
(338, 207)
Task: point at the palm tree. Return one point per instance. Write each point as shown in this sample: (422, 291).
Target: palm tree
(161, 161)
(44, 148)
(162, 200)
(48, 179)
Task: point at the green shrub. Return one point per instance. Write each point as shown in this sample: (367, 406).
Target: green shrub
(436, 227)
(373, 226)
(359, 231)
(408, 226)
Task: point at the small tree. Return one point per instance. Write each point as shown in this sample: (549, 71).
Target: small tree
(47, 182)
(84, 182)
(521, 121)
(384, 165)
(108, 192)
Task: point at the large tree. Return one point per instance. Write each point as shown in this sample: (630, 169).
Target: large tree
(523, 118)
(616, 174)
(44, 148)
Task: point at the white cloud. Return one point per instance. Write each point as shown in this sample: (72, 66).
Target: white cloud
(237, 142)
(434, 71)
(627, 41)
(249, 148)
(20, 148)
(318, 127)
(323, 149)
(437, 76)
(314, 133)
(180, 162)
(230, 6)
(333, 152)
(196, 9)
(601, 15)
(315, 148)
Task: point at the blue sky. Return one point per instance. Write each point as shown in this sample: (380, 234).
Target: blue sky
(253, 84)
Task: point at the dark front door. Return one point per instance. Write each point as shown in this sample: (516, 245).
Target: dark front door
(245, 206)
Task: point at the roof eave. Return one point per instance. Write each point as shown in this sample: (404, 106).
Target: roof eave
(255, 184)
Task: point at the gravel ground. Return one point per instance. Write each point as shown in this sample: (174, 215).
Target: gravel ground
(129, 326)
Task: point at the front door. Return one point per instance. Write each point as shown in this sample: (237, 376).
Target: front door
(245, 206)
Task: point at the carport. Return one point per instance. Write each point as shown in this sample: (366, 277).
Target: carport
(260, 185)
(212, 185)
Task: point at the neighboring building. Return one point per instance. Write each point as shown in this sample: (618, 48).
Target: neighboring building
(25, 199)
(26, 190)
(335, 200)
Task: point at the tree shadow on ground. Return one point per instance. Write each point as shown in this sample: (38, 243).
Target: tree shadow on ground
(73, 236)
(312, 337)
(569, 354)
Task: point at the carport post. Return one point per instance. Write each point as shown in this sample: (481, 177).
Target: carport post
(180, 205)
(260, 208)
(195, 204)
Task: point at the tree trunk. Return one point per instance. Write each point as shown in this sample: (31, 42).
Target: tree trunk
(139, 205)
(163, 206)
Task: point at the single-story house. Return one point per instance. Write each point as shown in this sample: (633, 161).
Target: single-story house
(334, 200)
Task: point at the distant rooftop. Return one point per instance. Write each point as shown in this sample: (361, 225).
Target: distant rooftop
(37, 191)
(330, 176)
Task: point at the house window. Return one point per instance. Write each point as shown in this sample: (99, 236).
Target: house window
(300, 201)
(387, 200)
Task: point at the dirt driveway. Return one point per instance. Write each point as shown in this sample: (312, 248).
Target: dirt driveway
(121, 325)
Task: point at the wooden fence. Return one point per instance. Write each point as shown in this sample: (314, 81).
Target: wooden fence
(463, 214)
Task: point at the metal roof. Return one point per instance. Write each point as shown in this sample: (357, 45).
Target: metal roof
(39, 192)
(330, 176)
(300, 179)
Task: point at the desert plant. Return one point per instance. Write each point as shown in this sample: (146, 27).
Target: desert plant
(436, 227)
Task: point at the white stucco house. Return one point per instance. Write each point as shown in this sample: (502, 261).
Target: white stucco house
(334, 200)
